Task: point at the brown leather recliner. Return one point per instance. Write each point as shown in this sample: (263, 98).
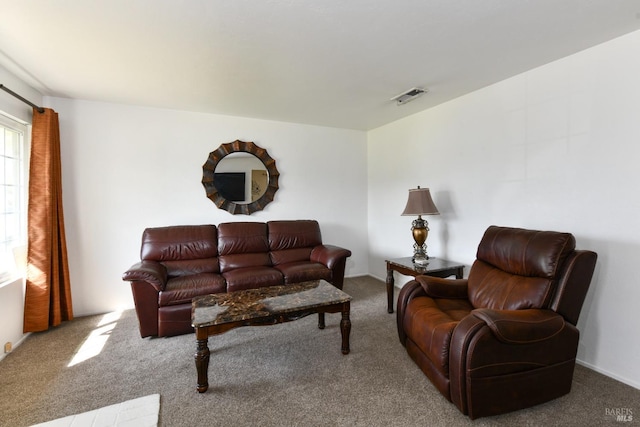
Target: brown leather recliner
(505, 338)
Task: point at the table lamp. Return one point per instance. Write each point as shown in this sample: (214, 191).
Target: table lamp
(420, 203)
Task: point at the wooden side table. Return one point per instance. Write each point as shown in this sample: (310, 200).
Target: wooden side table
(437, 267)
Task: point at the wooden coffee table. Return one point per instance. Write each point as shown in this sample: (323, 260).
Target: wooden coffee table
(218, 313)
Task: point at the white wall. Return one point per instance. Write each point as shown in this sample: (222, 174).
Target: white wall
(12, 293)
(11, 314)
(127, 168)
(554, 148)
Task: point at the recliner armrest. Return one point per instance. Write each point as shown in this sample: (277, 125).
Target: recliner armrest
(437, 287)
(521, 326)
(329, 254)
(147, 271)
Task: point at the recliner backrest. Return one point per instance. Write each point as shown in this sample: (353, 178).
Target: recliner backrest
(518, 269)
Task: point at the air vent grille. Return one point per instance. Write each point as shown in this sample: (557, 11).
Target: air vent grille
(409, 95)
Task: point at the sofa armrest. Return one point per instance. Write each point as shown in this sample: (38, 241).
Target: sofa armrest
(437, 287)
(329, 255)
(521, 326)
(151, 272)
(335, 258)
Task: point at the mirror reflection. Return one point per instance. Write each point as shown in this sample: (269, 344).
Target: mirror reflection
(241, 178)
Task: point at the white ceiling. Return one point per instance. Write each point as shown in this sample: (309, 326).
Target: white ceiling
(324, 62)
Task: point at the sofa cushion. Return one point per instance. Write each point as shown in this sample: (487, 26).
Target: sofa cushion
(252, 277)
(291, 241)
(243, 244)
(232, 262)
(242, 237)
(182, 289)
(183, 267)
(303, 271)
(290, 255)
(183, 249)
(179, 242)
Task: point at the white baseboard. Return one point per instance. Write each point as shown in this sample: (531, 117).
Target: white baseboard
(368, 275)
(14, 345)
(353, 276)
(609, 374)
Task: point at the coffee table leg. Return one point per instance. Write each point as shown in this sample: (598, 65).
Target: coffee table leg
(345, 328)
(321, 323)
(202, 364)
(390, 283)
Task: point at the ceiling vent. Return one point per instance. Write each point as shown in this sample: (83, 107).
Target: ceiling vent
(409, 95)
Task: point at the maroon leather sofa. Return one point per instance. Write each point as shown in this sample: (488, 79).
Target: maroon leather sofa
(505, 338)
(179, 263)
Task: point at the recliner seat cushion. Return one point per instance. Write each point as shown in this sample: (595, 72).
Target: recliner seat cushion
(430, 323)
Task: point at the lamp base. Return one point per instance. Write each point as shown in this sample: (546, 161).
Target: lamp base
(420, 231)
(420, 260)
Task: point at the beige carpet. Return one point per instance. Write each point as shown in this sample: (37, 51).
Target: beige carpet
(141, 412)
(291, 374)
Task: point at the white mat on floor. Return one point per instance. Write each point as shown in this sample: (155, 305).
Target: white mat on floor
(141, 412)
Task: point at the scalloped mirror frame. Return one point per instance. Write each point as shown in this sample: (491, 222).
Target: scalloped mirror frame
(220, 153)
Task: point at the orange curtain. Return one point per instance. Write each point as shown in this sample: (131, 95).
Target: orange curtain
(48, 291)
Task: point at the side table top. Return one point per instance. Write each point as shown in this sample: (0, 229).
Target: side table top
(434, 265)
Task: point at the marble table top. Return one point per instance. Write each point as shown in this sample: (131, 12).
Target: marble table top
(217, 309)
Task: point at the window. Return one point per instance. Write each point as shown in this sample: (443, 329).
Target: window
(13, 214)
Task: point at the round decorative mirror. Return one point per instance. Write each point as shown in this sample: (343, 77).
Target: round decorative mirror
(240, 177)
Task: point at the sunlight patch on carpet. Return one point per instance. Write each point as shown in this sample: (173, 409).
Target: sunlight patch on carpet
(96, 340)
(140, 412)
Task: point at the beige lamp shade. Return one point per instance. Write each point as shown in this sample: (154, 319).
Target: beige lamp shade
(420, 203)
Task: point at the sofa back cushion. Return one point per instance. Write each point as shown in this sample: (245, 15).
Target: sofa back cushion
(242, 244)
(292, 241)
(517, 268)
(182, 249)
